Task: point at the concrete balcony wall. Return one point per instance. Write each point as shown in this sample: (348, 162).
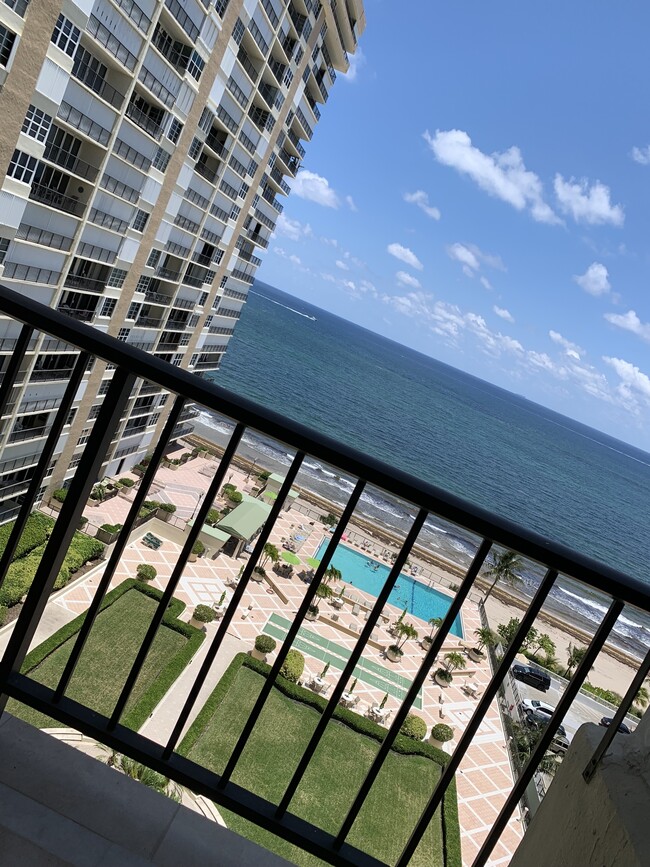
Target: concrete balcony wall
(603, 823)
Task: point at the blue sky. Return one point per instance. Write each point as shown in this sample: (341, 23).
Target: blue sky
(477, 189)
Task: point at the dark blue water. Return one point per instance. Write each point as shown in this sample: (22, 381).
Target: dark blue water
(513, 457)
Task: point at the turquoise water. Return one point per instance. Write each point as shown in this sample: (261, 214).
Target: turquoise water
(367, 574)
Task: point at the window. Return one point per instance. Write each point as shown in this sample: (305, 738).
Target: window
(203, 297)
(94, 411)
(235, 212)
(306, 32)
(7, 39)
(175, 130)
(4, 246)
(176, 361)
(243, 190)
(22, 167)
(154, 258)
(195, 147)
(161, 160)
(103, 388)
(207, 119)
(70, 417)
(37, 123)
(208, 321)
(196, 65)
(256, 201)
(123, 334)
(185, 340)
(194, 359)
(299, 55)
(85, 436)
(140, 220)
(238, 31)
(279, 101)
(116, 278)
(134, 310)
(163, 400)
(154, 419)
(66, 35)
(218, 257)
(108, 306)
(143, 283)
(252, 168)
(224, 280)
(288, 77)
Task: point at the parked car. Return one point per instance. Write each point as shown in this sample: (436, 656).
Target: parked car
(532, 676)
(537, 719)
(608, 720)
(535, 704)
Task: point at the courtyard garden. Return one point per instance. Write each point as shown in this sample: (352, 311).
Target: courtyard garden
(109, 652)
(335, 773)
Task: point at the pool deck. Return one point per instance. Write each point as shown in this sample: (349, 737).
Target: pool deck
(484, 779)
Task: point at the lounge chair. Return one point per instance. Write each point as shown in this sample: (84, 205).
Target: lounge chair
(356, 609)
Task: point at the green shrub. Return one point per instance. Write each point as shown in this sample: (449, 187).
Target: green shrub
(213, 517)
(167, 507)
(59, 495)
(82, 521)
(263, 476)
(145, 572)
(3, 614)
(203, 613)
(228, 489)
(111, 528)
(265, 644)
(414, 727)
(150, 505)
(236, 497)
(442, 732)
(293, 666)
(128, 483)
(37, 530)
(444, 675)
(198, 548)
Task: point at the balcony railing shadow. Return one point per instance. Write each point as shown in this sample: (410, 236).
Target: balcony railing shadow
(132, 365)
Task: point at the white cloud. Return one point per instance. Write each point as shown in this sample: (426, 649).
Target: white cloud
(341, 265)
(315, 188)
(291, 257)
(595, 280)
(485, 283)
(370, 288)
(471, 258)
(502, 175)
(349, 201)
(292, 229)
(331, 242)
(504, 314)
(357, 62)
(421, 199)
(405, 279)
(632, 379)
(295, 259)
(587, 203)
(641, 155)
(571, 349)
(630, 322)
(405, 255)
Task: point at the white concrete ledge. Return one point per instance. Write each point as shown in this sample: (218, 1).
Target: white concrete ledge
(59, 806)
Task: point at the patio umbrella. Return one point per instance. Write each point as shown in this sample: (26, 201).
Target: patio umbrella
(311, 561)
(290, 557)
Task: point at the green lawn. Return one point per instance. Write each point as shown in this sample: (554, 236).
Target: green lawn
(107, 657)
(331, 782)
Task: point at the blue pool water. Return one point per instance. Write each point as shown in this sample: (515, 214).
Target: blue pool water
(367, 574)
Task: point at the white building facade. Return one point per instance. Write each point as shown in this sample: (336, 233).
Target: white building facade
(144, 152)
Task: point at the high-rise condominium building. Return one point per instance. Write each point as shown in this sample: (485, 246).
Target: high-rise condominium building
(143, 150)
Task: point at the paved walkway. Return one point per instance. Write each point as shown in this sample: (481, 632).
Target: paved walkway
(484, 779)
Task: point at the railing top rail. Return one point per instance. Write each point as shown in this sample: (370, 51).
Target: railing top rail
(475, 519)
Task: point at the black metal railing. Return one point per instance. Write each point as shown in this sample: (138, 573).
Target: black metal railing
(487, 530)
(55, 199)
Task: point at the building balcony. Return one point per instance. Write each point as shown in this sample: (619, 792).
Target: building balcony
(54, 199)
(344, 789)
(144, 121)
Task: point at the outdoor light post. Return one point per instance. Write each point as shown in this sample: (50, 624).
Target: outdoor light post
(251, 468)
(198, 503)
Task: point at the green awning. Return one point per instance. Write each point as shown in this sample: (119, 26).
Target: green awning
(245, 520)
(213, 532)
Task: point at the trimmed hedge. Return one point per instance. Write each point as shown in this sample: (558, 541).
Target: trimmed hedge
(137, 716)
(403, 745)
(36, 533)
(20, 573)
(293, 666)
(167, 507)
(146, 572)
(265, 644)
(198, 548)
(235, 497)
(414, 727)
(204, 614)
(111, 528)
(442, 732)
(59, 495)
(128, 483)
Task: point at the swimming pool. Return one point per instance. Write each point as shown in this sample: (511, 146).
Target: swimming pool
(368, 574)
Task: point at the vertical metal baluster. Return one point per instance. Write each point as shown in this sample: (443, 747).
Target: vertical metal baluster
(176, 575)
(91, 462)
(233, 604)
(14, 365)
(477, 717)
(43, 464)
(618, 718)
(118, 550)
(348, 670)
(411, 695)
(572, 689)
(267, 686)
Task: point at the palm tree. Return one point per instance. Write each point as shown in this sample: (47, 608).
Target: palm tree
(404, 631)
(143, 774)
(270, 553)
(332, 574)
(454, 661)
(486, 638)
(434, 623)
(575, 657)
(503, 568)
(642, 698)
(543, 642)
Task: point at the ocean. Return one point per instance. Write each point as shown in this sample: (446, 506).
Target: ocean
(507, 454)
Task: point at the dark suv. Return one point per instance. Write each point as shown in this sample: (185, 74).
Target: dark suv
(532, 676)
(536, 720)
